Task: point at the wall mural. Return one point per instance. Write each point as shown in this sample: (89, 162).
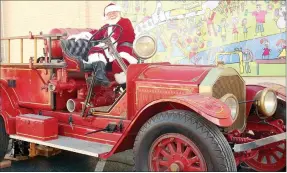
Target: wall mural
(246, 35)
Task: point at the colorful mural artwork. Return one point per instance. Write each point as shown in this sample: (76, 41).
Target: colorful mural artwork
(249, 36)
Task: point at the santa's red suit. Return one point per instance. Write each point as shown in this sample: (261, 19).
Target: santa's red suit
(123, 45)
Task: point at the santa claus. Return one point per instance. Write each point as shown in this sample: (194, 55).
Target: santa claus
(112, 15)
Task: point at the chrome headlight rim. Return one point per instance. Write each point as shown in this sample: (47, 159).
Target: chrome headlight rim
(262, 103)
(142, 56)
(231, 96)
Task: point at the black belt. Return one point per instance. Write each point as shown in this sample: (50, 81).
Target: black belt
(126, 44)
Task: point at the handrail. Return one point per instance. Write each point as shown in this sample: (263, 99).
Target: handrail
(50, 37)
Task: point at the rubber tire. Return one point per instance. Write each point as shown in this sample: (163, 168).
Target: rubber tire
(4, 139)
(207, 136)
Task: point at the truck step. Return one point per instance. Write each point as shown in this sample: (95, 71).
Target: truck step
(71, 144)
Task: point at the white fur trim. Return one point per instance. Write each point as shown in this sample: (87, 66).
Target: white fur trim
(128, 57)
(120, 78)
(97, 57)
(112, 8)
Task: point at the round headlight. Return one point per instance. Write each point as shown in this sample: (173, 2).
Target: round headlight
(267, 102)
(145, 46)
(231, 101)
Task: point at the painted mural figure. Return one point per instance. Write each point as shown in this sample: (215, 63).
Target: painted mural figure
(260, 19)
(266, 50)
(222, 29)
(282, 48)
(176, 50)
(209, 18)
(245, 28)
(161, 46)
(281, 22)
(235, 21)
(247, 57)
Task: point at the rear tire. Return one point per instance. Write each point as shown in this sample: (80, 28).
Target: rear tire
(163, 141)
(4, 139)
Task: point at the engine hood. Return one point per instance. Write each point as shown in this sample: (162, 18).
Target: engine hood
(176, 73)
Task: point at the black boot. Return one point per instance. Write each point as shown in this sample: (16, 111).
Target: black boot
(100, 73)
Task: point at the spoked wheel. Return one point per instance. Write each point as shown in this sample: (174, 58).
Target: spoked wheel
(271, 158)
(176, 153)
(180, 140)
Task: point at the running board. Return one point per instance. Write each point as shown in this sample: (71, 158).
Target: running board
(259, 143)
(71, 144)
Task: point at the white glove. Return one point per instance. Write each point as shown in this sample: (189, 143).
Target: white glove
(83, 35)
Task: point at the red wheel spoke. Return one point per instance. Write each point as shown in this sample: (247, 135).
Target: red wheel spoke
(279, 149)
(275, 156)
(171, 149)
(164, 163)
(178, 147)
(193, 160)
(260, 157)
(165, 154)
(187, 151)
(268, 158)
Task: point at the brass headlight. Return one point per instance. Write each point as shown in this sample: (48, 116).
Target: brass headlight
(266, 102)
(145, 46)
(231, 101)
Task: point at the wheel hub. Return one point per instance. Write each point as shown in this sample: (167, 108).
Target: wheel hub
(175, 152)
(174, 167)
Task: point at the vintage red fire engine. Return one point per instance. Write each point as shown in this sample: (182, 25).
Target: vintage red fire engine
(174, 117)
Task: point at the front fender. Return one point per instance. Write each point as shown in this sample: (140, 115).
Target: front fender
(210, 108)
(9, 107)
(252, 90)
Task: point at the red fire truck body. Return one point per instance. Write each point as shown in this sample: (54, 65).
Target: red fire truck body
(174, 117)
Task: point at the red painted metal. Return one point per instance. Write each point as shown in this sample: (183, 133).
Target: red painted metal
(175, 152)
(37, 127)
(70, 85)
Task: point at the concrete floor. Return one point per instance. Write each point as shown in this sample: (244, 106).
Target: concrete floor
(72, 162)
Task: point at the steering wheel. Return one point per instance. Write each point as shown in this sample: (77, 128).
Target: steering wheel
(95, 42)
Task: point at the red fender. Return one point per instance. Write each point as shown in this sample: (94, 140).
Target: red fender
(9, 107)
(252, 90)
(210, 108)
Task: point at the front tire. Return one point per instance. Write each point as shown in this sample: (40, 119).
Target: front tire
(4, 139)
(179, 140)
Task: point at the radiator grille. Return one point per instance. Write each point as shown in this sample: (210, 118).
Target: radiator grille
(235, 86)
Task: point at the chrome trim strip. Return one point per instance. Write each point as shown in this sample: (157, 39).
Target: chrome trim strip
(259, 142)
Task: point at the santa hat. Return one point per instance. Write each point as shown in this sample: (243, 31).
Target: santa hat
(111, 7)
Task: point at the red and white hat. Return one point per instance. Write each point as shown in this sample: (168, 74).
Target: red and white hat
(111, 7)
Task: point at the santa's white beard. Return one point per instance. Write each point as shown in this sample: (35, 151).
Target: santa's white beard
(113, 21)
